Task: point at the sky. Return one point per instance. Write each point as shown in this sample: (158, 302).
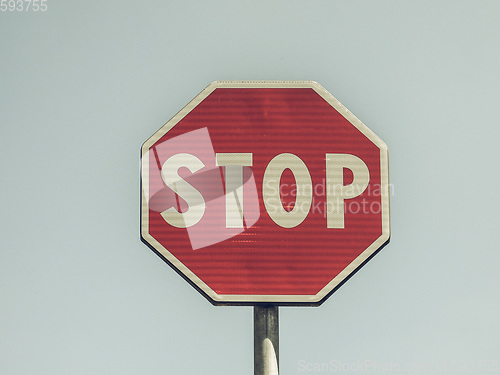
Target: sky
(84, 83)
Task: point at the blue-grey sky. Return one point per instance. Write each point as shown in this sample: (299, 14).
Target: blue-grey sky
(85, 83)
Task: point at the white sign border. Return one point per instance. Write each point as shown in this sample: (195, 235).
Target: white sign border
(230, 299)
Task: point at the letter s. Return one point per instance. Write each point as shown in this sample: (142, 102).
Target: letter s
(193, 198)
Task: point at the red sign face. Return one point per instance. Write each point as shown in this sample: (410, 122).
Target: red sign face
(265, 192)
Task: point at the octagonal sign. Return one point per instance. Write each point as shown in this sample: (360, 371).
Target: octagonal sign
(265, 192)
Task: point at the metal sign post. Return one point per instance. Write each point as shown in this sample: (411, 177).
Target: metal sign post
(266, 340)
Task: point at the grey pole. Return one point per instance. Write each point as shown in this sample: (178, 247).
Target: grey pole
(266, 340)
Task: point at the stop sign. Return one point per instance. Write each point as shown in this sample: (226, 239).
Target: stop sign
(265, 192)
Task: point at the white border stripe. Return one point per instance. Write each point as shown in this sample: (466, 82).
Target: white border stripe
(298, 299)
